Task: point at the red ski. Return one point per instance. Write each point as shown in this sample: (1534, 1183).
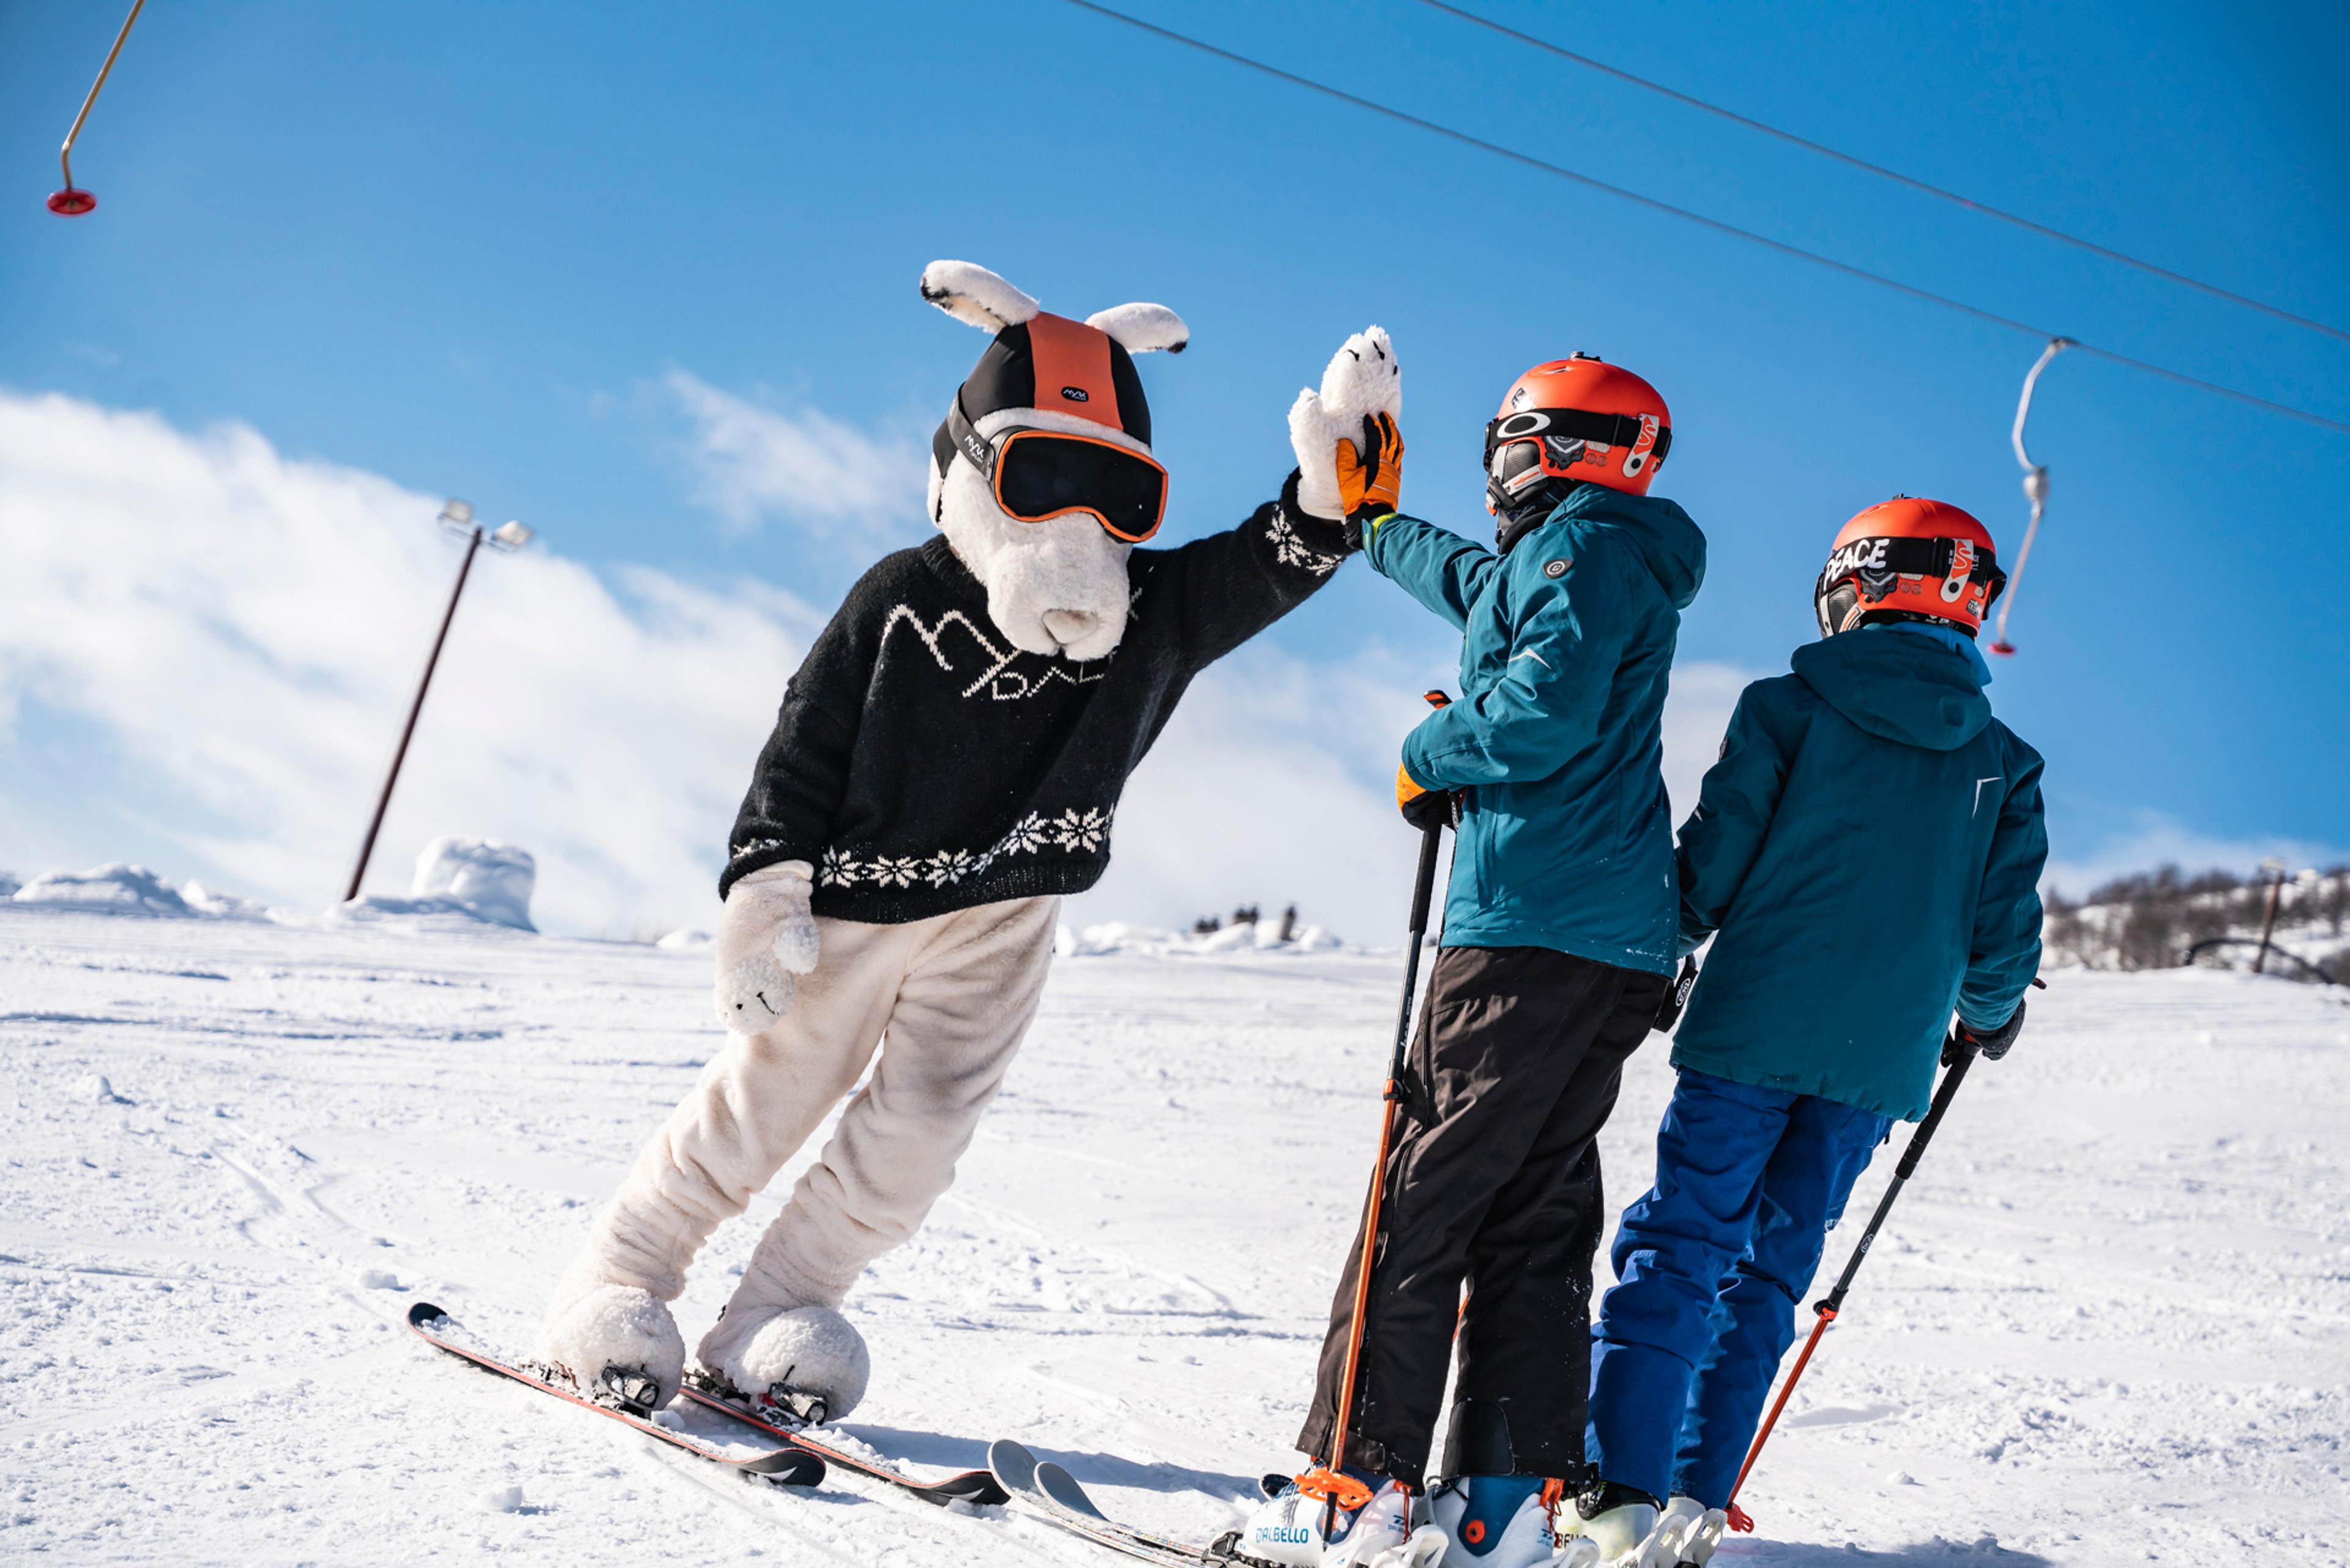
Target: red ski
(794, 1464)
(976, 1488)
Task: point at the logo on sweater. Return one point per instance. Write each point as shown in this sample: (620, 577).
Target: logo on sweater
(1075, 394)
(1556, 568)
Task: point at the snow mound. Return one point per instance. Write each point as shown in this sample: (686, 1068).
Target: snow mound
(1121, 937)
(118, 888)
(471, 879)
(492, 880)
(683, 941)
(9, 883)
(203, 900)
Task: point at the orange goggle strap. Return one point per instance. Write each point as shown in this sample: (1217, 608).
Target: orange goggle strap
(965, 437)
(1073, 369)
(1572, 427)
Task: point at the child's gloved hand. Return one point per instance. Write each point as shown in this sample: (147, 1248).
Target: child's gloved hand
(1348, 445)
(1424, 808)
(1989, 1044)
(766, 935)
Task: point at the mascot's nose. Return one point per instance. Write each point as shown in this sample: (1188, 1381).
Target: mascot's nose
(1070, 625)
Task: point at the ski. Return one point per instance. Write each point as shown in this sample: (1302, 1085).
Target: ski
(978, 1488)
(1052, 1494)
(792, 1465)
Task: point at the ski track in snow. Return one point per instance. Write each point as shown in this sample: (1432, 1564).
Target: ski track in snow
(2109, 1323)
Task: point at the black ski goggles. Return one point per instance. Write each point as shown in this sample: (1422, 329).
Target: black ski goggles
(1038, 475)
(1555, 437)
(1862, 574)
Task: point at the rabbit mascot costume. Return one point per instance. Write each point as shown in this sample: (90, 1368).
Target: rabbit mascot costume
(944, 769)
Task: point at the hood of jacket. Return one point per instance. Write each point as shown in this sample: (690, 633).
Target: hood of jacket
(1906, 689)
(1667, 538)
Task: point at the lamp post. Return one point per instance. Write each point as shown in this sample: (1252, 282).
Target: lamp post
(457, 516)
(2275, 868)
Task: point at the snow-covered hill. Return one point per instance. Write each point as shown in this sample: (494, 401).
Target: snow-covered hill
(2109, 1324)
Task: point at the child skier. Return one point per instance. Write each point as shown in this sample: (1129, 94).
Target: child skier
(1865, 854)
(1557, 949)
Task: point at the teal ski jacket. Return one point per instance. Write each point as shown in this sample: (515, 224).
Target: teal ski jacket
(1565, 840)
(1866, 856)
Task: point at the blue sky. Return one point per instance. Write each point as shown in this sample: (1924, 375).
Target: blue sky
(500, 250)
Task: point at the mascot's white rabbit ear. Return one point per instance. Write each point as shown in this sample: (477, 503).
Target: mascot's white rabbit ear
(969, 291)
(1140, 328)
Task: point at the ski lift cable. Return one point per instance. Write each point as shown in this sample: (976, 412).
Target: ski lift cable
(72, 202)
(1922, 187)
(1688, 215)
(2036, 488)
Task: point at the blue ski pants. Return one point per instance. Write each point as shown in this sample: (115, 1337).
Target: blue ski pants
(1710, 1267)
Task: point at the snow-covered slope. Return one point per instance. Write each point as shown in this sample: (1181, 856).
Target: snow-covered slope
(2110, 1324)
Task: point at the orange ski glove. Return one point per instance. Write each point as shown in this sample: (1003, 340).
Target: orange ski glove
(1370, 480)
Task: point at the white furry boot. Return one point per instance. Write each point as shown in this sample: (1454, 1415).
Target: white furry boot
(801, 1365)
(616, 1344)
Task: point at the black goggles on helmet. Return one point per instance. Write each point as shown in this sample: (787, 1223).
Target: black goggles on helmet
(1867, 569)
(1037, 474)
(1562, 434)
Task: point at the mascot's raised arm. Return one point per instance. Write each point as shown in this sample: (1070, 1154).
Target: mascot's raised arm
(945, 767)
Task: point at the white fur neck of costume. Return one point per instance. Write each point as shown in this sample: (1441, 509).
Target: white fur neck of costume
(1058, 586)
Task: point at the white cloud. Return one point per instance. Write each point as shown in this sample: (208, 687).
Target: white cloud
(221, 642)
(1697, 714)
(750, 462)
(243, 631)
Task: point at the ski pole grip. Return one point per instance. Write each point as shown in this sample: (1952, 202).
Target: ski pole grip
(1423, 887)
(1942, 1097)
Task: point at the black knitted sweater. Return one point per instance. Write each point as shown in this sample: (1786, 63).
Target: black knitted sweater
(922, 764)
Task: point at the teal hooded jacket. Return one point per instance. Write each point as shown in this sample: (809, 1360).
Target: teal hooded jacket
(1866, 856)
(1565, 839)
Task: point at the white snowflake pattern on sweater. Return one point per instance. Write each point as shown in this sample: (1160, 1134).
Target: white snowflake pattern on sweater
(1074, 830)
(1291, 550)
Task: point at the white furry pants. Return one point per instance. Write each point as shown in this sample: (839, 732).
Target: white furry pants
(952, 995)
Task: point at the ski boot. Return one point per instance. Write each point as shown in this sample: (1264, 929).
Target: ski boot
(1494, 1521)
(1691, 1532)
(625, 1334)
(1286, 1530)
(1613, 1526)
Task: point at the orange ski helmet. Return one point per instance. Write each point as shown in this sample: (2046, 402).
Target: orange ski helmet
(1579, 419)
(1909, 559)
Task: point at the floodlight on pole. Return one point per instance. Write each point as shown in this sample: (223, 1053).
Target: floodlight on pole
(457, 516)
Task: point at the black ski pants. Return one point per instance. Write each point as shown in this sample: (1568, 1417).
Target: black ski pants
(1493, 1178)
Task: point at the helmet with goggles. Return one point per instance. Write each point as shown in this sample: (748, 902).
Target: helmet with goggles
(1909, 559)
(1068, 368)
(1578, 419)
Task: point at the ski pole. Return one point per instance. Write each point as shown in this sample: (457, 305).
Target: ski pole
(73, 201)
(1832, 1302)
(1328, 1480)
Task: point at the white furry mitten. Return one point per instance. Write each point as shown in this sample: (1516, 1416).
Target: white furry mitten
(766, 935)
(1361, 382)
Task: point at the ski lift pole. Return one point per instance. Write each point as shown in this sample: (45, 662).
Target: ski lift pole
(73, 201)
(457, 516)
(1329, 1481)
(2036, 488)
(2275, 868)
